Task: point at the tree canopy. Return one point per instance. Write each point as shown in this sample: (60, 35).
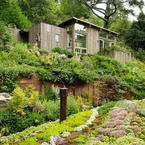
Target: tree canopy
(105, 9)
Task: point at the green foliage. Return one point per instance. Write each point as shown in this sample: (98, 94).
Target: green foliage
(106, 108)
(63, 51)
(6, 38)
(31, 95)
(17, 104)
(12, 14)
(135, 37)
(74, 9)
(58, 128)
(22, 55)
(128, 140)
(80, 139)
(73, 106)
(47, 11)
(52, 109)
(52, 93)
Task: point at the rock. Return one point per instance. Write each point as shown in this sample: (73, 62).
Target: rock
(4, 98)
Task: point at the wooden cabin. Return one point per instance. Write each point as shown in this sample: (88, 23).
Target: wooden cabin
(74, 35)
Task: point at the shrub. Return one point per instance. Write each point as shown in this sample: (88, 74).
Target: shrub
(17, 104)
(32, 96)
(73, 106)
(52, 109)
(52, 93)
(106, 108)
(6, 38)
(63, 51)
(128, 140)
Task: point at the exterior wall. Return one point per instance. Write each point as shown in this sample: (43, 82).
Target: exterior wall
(47, 36)
(18, 36)
(92, 40)
(118, 55)
(122, 56)
(33, 31)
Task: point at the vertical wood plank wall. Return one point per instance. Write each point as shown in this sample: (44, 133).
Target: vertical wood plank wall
(47, 36)
(33, 31)
(118, 55)
(92, 40)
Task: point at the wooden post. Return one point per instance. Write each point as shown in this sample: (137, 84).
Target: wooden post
(73, 38)
(63, 103)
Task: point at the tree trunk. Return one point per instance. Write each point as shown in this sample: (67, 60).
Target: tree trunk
(107, 13)
(106, 24)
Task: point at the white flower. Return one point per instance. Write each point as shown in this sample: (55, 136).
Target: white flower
(65, 134)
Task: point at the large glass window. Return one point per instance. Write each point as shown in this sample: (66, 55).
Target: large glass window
(80, 40)
(80, 28)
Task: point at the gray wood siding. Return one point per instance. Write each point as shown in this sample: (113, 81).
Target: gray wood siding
(92, 40)
(33, 31)
(48, 34)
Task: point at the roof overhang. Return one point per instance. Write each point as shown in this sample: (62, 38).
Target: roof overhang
(76, 20)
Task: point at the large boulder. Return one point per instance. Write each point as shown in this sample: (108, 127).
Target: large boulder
(4, 98)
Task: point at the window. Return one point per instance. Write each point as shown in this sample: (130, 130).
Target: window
(80, 40)
(57, 38)
(80, 28)
(101, 44)
(69, 41)
(111, 43)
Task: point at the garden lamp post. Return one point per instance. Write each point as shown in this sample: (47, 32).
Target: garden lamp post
(63, 103)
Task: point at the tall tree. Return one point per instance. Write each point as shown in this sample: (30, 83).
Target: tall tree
(37, 11)
(11, 13)
(73, 8)
(136, 34)
(104, 9)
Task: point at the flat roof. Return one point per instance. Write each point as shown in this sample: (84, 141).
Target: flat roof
(76, 20)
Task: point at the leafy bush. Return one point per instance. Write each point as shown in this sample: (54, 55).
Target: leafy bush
(31, 95)
(106, 108)
(52, 93)
(128, 140)
(73, 106)
(52, 109)
(17, 104)
(6, 38)
(63, 51)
